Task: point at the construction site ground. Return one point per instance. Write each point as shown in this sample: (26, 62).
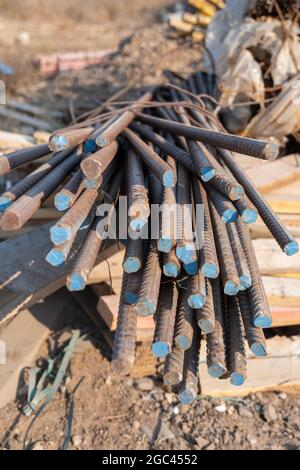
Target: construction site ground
(110, 412)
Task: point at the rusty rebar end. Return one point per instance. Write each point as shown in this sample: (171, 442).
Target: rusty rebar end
(91, 167)
(10, 220)
(271, 151)
(172, 377)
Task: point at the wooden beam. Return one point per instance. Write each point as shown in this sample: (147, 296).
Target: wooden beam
(271, 260)
(25, 277)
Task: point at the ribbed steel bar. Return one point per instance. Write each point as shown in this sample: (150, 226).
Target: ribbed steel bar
(258, 300)
(185, 248)
(184, 321)
(153, 161)
(18, 189)
(228, 268)
(87, 255)
(23, 208)
(206, 315)
(132, 288)
(125, 335)
(190, 383)
(223, 205)
(68, 138)
(133, 256)
(236, 343)
(19, 158)
(239, 257)
(94, 165)
(165, 320)
(243, 145)
(246, 210)
(69, 223)
(196, 291)
(120, 124)
(215, 341)
(138, 202)
(286, 242)
(210, 264)
(171, 264)
(168, 215)
(173, 370)
(165, 145)
(59, 254)
(66, 197)
(255, 336)
(150, 283)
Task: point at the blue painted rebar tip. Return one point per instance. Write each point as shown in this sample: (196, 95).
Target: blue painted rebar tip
(229, 216)
(210, 270)
(145, 308)
(131, 297)
(90, 146)
(59, 235)
(192, 268)
(55, 257)
(62, 202)
(237, 193)
(207, 173)
(160, 349)
(258, 349)
(165, 245)
(246, 281)
(216, 370)
(137, 224)
(76, 282)
(60, 142)
(249, 216)
(196, 301)
(231, 288)
(186, 254)
(169, 179)
(206, 325)
(187, 397)
(170, 270)
(131, 265)
(5, 202)
(291, 248)
(263, 321)
(237, 379)
(183, 342)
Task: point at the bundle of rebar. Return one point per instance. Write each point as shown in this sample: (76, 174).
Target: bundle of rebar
(193, 267)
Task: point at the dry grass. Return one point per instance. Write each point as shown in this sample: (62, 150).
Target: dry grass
(93, 11)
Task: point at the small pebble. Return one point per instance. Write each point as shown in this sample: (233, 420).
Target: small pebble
(145, 384)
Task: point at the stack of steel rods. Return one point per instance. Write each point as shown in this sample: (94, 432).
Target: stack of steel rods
(189, 259)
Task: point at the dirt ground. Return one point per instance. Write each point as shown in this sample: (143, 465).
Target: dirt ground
(109, 412)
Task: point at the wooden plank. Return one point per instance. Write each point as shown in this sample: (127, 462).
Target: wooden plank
(278, 371)
(285, 316)
(11, 141)
(282, 291)
(259, 229)
(284, 203)
(25, 277)
(268, 176)
(23, 338)
(108, 306)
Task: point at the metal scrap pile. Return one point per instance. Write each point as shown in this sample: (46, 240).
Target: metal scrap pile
(175, 153)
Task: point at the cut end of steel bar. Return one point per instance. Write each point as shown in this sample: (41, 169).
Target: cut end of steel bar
(216, 370)
(183, 342)
(145, 308)
(271, 151)
(231, 288)
(229, 216)
(130, 297)
(75, 282)
(206, 325)
(55, 257)
(236, 193)
(137, 224)
(187, 397)
(169, 179)
(246, 281)
(237, 379)
(291, 248)
(196, 301)
(58, 142)
(258, 349)
(263, 321)
(62, 202)
(210, 270)
(161, 349)
(172, 377)
(59, 235)
(101, 141)
(249, 216)
(164, 245)
(186, 252)
(171, 269)
(132, 264)
(90, 146)
(191, 268)
(207, 173)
